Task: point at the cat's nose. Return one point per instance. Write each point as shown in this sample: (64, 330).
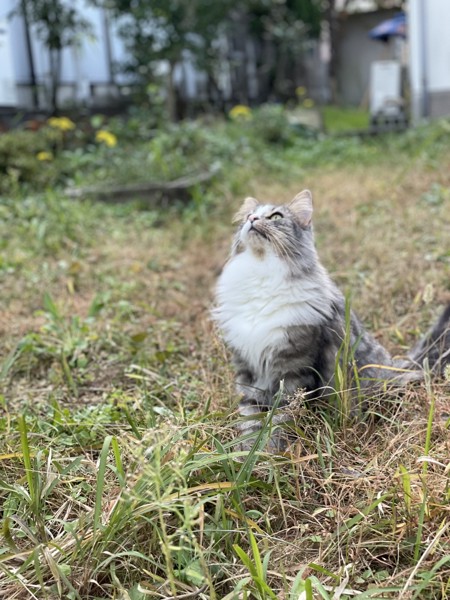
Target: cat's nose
(252, 218)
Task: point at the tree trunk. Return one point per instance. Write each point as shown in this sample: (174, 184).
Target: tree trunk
(333, 25)
(281, 82)
(215, 95)
(55, 71)
(238, 57)
(34, 89)
(171, 93)
(266, 68)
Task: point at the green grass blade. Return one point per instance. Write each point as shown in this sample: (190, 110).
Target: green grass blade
(256, 555)
(50, 307)
(101, 482)
(361, 515)
(118, 461)
(22, 424)
(427, 577)
(309, 589)
(245, 559)
(262, 438)
(9, 361)
(316, 584)
(322, 570)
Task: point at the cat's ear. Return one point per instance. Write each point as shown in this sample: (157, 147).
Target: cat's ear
(302, 207)
(247, 207)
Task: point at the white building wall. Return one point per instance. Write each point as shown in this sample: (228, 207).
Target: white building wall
(16, 31)
(429, 43)
(8, 95)
(84, 67)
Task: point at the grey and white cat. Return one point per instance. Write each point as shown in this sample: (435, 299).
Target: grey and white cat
(285, 320)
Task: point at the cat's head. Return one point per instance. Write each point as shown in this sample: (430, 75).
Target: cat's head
(283, 229)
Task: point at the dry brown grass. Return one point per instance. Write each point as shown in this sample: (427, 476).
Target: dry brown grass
(340, 499)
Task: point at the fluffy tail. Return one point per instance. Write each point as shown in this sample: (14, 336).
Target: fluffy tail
(434, 346)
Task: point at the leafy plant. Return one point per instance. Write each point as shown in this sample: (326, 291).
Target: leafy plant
(22, 162)
(270, 124)
(65, 342)
(54, 227)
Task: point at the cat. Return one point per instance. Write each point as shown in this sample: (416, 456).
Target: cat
(285, 320)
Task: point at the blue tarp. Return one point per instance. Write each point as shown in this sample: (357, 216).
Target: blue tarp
(390, 28)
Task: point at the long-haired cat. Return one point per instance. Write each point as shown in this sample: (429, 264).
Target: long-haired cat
(285, 320)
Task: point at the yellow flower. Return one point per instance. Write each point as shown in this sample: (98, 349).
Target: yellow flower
(240, 112)
(106, 137)
(300, 91)
(62, 123)
(44, 155)
(308, 103)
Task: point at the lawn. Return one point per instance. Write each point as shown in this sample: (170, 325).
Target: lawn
(339, 120)
(119, 471)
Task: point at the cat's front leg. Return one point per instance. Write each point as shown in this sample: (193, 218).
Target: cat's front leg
(253, 399)
(253, 405)
(255, 408)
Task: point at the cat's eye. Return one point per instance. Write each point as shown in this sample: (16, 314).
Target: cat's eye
(275, 216)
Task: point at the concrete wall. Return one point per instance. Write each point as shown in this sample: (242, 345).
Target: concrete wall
(355, 53)
(429, 42)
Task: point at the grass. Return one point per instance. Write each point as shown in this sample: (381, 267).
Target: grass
(119, 473)
(339, 119)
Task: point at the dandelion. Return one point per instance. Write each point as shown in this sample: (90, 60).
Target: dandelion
(61, 123)
(44, 156)
(106, 137)
(240, 112)
(308, 103)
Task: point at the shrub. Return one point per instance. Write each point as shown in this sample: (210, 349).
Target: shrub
(27, 157)
(271, 125)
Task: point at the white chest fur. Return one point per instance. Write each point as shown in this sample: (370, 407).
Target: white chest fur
(257, 301)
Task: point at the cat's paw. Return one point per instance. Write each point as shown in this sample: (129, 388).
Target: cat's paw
(269, 432)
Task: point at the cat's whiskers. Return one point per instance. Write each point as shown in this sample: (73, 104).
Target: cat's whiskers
(275, 241)
(283, 248)
(276, 244)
